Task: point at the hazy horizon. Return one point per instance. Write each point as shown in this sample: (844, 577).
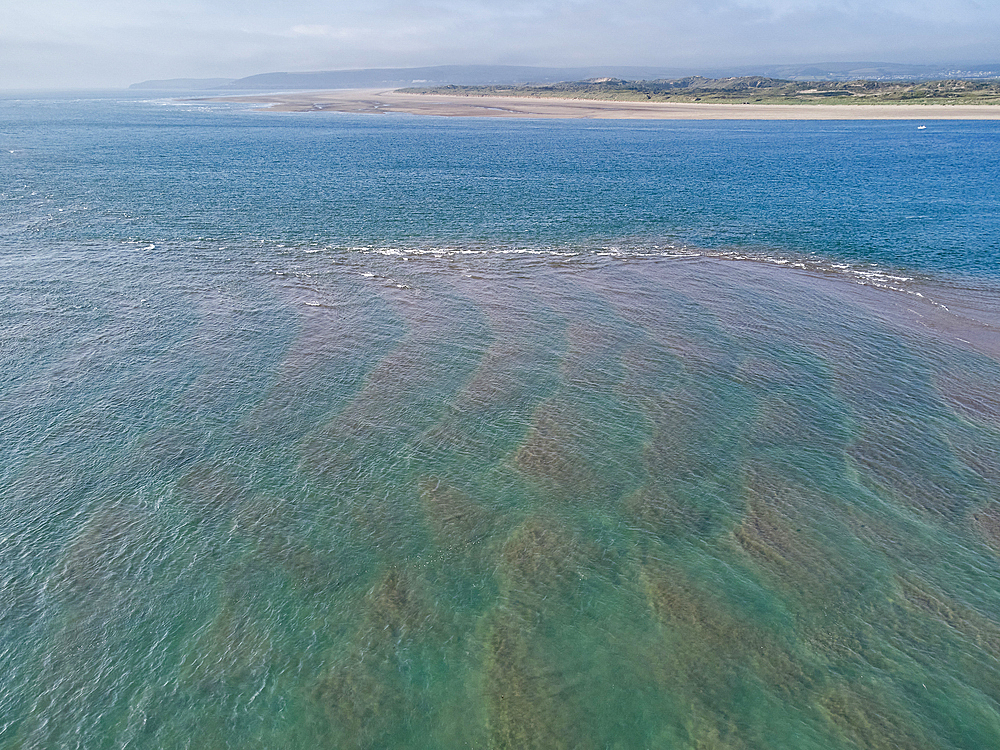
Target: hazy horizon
(58, 44)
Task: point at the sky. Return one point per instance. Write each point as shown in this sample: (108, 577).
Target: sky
(113, 43)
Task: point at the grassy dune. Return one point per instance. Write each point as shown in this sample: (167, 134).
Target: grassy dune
(746, 90)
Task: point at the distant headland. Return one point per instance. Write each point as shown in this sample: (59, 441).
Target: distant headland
(509, 75)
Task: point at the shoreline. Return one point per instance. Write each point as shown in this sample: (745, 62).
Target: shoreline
(377, 101)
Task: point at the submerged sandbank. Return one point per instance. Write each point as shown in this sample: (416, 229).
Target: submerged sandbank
(380, 102)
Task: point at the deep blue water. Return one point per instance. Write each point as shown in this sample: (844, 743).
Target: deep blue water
(123, 169)
(385, 431)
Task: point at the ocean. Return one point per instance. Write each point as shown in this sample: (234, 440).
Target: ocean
(340, 431)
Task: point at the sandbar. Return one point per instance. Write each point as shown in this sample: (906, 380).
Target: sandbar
(371, 101)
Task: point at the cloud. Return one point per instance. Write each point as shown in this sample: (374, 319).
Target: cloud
(113, 42)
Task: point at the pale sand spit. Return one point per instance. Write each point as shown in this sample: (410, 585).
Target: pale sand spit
(380, 102)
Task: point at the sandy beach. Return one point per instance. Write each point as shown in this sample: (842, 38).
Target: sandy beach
(382, 102)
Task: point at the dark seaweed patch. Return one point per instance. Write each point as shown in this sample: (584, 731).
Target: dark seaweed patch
(507, 369)
(690, 460)
(546, 452)
(679, 604)
(764, 535)
(550, 456)
(934, 603)
(408, 383)
(542, 565)
(395, 609)
(386, 518)
(235, 649)
(362, 702)
(776, 532)
(711, 648)
(457, 521)
(661, 513)
(972, 392)
(95, 568)
(891, 467)
(987, 523)
(209, 487)
(901, 450)
(867, 721)
(366, 696)
(527, 697)
(168, 449)
(267, 524)
(322, 366)
(339, 446)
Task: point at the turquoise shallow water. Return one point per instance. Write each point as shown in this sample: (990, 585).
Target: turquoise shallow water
(400, 432)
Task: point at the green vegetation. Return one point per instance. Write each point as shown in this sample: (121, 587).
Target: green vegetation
(746, 90)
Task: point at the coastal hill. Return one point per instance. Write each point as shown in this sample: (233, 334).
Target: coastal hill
(745, 90)
(509, 75)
